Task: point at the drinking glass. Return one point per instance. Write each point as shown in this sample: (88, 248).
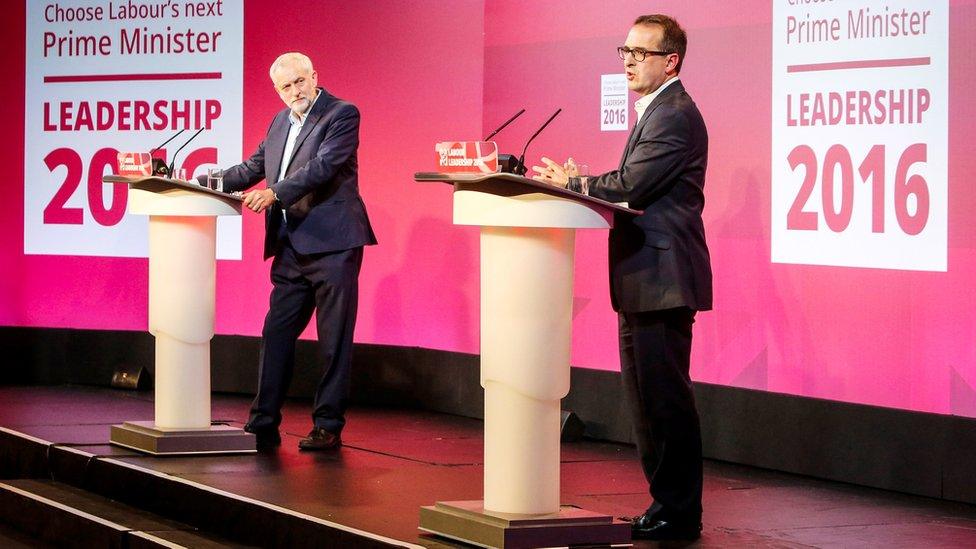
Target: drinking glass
(215, 179)
(584, 177)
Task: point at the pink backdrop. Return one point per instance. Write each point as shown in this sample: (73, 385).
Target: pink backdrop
(428, 71)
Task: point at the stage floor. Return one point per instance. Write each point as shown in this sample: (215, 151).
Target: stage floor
(395, 461)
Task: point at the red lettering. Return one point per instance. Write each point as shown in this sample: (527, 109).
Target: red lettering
(65, 117)
(916, 186)
(797, 219)
(84, 120)
(818, 111)
(213, 113)
(106, 158)
(838, 218)
(836, 103)
(48, 125)
(873, 167)
(142, 115)
(804, 109)
(49, 40)
(162, 120)
(924, 100)
(55, 213)
(864, 108)
(105, 115)
(124, 114)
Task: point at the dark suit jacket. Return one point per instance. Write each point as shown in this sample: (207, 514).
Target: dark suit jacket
(659, 260)
(321, 189)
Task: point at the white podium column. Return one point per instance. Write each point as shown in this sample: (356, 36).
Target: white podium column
(526, 330)
(527, 246)
(182, 283)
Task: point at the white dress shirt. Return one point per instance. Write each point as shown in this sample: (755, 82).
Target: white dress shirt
(297, 121)
(641, 104)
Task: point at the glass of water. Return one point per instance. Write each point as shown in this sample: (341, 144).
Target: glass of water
(580, 172)
(215, 179)
(584, 177)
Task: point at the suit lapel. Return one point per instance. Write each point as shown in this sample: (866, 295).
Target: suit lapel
(630, 143)
(275, 149)
(310, 122)
(638, 127)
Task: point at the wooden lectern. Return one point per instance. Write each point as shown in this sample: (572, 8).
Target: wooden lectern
(527, 244)
(182, 283)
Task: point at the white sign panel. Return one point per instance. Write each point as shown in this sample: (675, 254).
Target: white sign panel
(613, 102)
(860, 133)
(108, 76)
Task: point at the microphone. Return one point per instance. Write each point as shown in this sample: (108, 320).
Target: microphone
(158, 166)
(187, 142)
(502, 127)
(520, 165)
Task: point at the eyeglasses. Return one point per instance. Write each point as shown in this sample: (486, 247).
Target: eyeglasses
(639, 53)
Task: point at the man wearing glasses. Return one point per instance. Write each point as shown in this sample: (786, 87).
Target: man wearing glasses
(315, 228)
(660, 273)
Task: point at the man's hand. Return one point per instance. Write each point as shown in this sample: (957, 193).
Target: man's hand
(553, 173)
(259, 200)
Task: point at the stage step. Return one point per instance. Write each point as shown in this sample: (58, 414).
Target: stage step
(63, 515)
(221, 519)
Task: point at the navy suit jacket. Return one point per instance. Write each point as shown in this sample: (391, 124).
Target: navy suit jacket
(659, 260)
(320, 191)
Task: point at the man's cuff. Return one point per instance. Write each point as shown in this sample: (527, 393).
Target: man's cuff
(575, 184)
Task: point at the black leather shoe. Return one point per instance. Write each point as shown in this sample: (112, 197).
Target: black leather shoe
(320, 439)
(654, 528)
(266, 438)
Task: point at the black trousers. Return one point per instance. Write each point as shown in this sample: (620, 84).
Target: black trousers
(327, 284)
(655, 354)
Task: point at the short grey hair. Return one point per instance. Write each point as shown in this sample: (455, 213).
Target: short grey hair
(300, 59)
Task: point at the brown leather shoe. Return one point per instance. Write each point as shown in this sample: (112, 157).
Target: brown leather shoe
(320, 439)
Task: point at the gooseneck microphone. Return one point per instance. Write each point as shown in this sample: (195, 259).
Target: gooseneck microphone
(158, 165)
(163, 144)
(502, 127)
(520, 166)
(185, 143)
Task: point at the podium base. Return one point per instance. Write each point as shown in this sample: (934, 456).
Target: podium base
(469, 522)
(144, 436)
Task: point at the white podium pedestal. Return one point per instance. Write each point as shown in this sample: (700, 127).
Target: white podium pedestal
(527, 246)
(182, 284)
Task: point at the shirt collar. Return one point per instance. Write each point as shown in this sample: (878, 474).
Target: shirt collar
(645, 101)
